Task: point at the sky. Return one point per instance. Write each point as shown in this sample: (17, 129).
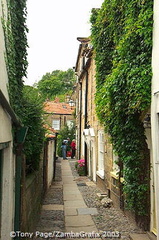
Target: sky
(54, 26)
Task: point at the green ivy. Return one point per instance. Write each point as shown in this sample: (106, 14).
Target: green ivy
(32, 117)
(15, 30)
(121, 34)
(24, 100)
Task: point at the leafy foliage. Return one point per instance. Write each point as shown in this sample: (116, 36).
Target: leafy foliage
(16, 44)
(25, 101)
(65, 133)
(56, 83)
(121, 34)
(31, 117)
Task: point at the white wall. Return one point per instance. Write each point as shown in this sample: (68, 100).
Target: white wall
(7, 215)
(5, 126)
(7, 212)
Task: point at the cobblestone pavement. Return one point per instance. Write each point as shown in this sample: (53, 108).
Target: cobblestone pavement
(107, 219)
(52, 214)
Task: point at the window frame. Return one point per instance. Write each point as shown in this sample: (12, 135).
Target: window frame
(101, 151)
(54, 125)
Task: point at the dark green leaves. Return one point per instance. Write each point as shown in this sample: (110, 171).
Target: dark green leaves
(121, 34)
(56, 83)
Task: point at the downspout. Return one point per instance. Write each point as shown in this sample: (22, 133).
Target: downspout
(45, 165)
(86, 99)
(86, 119)
(121, 184)
(55, 158)
(18, 170)
(20, 138)
(80, 120)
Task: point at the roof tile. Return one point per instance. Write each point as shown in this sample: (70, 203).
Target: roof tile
(58, 107)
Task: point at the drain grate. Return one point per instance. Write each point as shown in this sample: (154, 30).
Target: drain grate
(81, 184)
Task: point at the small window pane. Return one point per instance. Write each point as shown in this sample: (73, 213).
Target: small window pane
(56, 124)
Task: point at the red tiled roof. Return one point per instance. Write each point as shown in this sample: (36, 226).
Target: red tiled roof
(50, 129)
(58, 107)
(49, 135)
(50, 132)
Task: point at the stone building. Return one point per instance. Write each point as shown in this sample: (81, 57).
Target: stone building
(58, 114)
(93, 144)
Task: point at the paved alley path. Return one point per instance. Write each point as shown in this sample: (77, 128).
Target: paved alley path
(64, 210)
(52, 214)
(72, 206)
(77, 214)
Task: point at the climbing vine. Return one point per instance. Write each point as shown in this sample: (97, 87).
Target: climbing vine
(15, 30)
(121, 34)
(24, 102)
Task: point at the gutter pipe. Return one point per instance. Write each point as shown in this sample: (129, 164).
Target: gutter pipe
(86, 118)
(80, 123)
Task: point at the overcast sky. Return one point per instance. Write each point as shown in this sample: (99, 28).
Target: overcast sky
(54, 26)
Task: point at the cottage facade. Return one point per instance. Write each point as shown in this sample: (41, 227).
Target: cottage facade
(93, 144)
(58, 114)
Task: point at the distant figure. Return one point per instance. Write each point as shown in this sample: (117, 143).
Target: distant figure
(67, 141)
(73, 147)
(64, 146)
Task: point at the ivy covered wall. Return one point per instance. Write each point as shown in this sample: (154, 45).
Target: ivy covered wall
(24, 100)
(121, 34)
(16, 49)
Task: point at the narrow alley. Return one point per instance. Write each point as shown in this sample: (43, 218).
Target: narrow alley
(72, 206)
(91, 93)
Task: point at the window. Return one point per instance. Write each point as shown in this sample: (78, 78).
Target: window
(116, 170)
(83, 101)
(56, 124)
(100, 171)
(115, 160)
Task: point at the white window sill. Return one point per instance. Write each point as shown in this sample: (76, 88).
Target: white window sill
(100, 173)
